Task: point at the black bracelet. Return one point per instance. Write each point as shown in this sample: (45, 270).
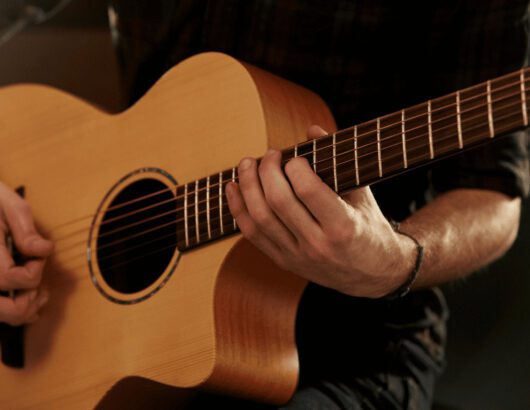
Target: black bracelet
(405, 287)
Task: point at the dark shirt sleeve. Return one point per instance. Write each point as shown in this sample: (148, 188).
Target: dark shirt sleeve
(491, 40)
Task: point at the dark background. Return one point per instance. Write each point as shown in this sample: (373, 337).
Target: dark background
(489, 330)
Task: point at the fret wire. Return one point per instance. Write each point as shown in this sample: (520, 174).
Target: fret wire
(208, 207)
(174, 244)
(234, 180)
(315, 155)
(335, 162)
(355, 148)
(404, 140)
(186, 230)
(417, 137)
(446, 138)
(440, 108)
(296, 150)
(459, 121)
(379, 161)
(357, 181)
(443, 107)
(490, 110)
(513, 124)
(197, 233)
(221, 202)
(417, 116)
(186, 215)
(449, 105)
(453, 104)
(346, 162)
(523, 98)
(429, 120)
(390, 125)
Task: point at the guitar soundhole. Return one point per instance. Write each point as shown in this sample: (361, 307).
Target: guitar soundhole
(137, 236)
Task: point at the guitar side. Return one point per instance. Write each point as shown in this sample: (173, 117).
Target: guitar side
(217, 322)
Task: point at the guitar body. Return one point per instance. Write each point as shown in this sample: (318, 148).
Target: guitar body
(220, 316)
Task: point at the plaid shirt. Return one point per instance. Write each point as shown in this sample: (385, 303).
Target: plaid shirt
(365, 58)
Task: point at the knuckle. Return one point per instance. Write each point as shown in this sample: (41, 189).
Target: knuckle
(292, 167)
(316, 253)
(276, 201)
(261, 216)
(263, 167)
(249, 231)
(33, 278)
(304, 189)
(342, 236)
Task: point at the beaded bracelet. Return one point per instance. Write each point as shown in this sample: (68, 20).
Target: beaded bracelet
(405, 287)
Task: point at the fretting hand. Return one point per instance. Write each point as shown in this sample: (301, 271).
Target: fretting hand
(16, 219)
(305, 227)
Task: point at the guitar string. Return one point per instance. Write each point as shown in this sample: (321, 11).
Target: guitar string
(171, 223)
(369, 133)
(216, 208)
(283, 162)
(214, 197)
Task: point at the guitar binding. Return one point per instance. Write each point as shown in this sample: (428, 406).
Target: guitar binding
(132, 246)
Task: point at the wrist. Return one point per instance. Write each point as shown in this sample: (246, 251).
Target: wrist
(407, 265)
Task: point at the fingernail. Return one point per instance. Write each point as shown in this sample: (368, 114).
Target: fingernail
(245, 164)
(270, 151)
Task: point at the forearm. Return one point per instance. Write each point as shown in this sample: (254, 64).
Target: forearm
(462, 231)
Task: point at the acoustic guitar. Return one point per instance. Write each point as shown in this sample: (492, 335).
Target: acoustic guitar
(149, 276)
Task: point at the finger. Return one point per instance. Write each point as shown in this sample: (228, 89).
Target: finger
(324, 204)
(258, 208)
(246, 225)
(314, 131)
(18, 217)
(27, 276)
(282, 199)
(22, 309)
(6, 261)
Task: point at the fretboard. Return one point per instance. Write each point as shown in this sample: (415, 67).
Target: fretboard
(374, 150)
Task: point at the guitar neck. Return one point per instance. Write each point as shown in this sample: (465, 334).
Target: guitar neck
(373, 150)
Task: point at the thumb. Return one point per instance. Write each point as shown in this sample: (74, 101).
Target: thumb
(315, 131)
(361, 198)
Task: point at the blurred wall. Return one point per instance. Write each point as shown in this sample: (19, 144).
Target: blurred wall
(72, 51)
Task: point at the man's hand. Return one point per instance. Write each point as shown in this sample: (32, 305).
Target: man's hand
(305, 227)
(15, 218)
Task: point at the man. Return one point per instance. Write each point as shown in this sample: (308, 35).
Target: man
(359, 347)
